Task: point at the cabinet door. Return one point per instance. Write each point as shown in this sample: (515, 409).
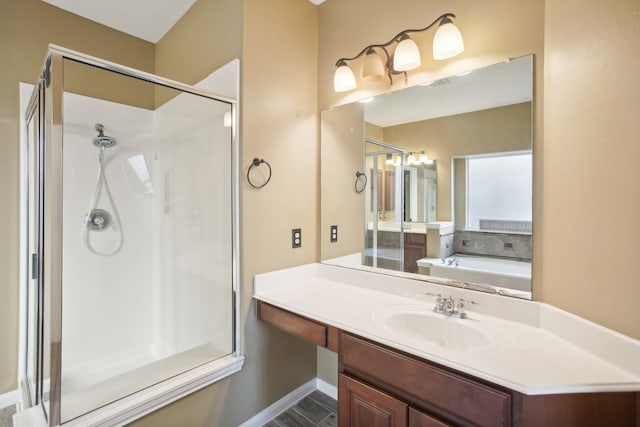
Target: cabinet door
(361, 405)
(421, 419)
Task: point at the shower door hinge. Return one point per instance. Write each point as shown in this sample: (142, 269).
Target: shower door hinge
(34, 266)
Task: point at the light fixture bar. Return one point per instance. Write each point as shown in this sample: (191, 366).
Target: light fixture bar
(408, 55)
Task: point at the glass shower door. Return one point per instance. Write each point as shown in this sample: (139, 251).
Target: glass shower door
(384, 234)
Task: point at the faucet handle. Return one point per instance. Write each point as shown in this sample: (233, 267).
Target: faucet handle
(439, 304)
(461, 307)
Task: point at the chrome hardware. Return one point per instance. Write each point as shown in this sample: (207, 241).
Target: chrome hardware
(97, 220)
(449, 307)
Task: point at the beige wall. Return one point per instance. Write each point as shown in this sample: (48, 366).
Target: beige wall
(208, 36)
(373, 131)
(591, 203)
(494, 130)
(26, 29)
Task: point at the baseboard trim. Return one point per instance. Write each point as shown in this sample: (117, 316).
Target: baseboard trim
(9, 398)
(328, 389)
(270, 412)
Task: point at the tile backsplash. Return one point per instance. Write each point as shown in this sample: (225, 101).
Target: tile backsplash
(516, 246)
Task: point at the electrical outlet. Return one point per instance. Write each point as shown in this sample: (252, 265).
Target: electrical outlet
(334, 233)
(296, 238)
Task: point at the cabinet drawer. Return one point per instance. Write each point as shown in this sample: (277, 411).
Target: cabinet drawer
(434, 387)
(292, 323)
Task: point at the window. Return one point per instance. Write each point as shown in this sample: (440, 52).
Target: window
(499, 190)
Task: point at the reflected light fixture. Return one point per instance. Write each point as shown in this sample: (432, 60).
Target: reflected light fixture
(421, 159)
(447, 43)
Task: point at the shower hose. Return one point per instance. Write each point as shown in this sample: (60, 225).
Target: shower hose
(102, 182)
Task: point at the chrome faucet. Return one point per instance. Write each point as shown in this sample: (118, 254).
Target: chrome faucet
(449, 307)
(453, 261)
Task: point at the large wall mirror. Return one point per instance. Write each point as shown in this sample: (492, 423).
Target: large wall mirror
(435, 181)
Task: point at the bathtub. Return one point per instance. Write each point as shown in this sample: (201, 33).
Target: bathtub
(499, 272)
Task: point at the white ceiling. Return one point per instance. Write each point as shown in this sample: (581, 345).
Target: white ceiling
(497, 85)
(145, 19)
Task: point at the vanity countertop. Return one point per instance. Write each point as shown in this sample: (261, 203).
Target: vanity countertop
(533, 348)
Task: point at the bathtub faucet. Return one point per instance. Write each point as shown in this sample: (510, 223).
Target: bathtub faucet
(453, 261)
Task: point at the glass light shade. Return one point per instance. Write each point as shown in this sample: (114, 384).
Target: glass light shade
(423, 158)
(389, 160)
(407, 55)
(343, 79)
(411, 160)
(447, 41)
(372, 68)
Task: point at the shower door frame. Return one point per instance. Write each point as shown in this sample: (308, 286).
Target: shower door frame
(385, 149)
(30, 381)
(170, 389)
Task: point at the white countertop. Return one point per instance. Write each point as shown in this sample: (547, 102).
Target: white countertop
(534, 348)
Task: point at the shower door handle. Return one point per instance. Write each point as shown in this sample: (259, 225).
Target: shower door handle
(34, 266)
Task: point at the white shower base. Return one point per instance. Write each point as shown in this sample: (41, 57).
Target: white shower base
(84, 392)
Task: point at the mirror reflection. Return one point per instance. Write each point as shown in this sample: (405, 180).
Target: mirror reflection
(449, 171)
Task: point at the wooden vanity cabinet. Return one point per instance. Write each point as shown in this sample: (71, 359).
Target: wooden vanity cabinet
(444, 397)
(415, 248)
(363, 405)
(379, 386)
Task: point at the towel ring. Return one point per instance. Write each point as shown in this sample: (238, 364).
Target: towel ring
(364, 185)
(257, 162)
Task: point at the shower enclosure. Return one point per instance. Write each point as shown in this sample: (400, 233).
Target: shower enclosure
(129, 244)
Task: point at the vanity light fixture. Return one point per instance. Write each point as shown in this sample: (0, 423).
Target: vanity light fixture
(447, 43)
(421, 159)
(389, 159)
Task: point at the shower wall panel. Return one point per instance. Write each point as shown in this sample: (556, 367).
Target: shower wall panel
(107, 304)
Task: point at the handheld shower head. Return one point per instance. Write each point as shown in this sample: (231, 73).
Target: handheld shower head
(102, 140)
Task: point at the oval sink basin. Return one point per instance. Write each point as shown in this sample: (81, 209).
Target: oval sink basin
(420, 324)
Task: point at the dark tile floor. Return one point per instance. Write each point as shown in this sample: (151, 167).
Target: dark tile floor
(315, 410)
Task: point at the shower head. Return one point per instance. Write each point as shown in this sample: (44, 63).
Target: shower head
(102, 140)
